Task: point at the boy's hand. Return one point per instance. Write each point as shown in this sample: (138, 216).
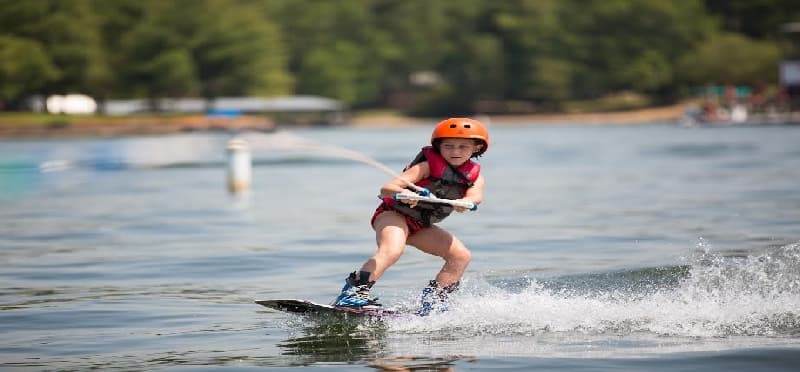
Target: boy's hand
(411, 203)
(461, 209)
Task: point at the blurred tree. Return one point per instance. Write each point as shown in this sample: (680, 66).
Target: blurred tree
(631, 45)
(117, 18)
(472, 71)
(758, 19)
(334, 48)
(411, 39)
(67, 32)
(454, 41)
(537, 65)
(331, 71)
(730, 58)
(24, 68)
(219, 50)
(414, 34)
(171, 74)
(562, 50)
(157, 58)
(237, 49)
(473, 62)
(552, 80)
(365, 52)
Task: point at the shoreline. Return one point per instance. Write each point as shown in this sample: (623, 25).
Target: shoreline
(671, 113)
(55, 126)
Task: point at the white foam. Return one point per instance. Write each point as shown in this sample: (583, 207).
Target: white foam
(722, 297)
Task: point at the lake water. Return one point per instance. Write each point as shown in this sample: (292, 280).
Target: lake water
(650, 247)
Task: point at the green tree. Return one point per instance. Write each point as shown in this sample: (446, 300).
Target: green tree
(420, 35)
(473, 71)
(757, 19)
(364, 51)
(631, 45)
(334, 71)
(474, 62)
(335, 49)
(67, 32)
(224, 48)
(456, 40)
(730, 58)
(237, 50)
(116, 19)
(24, 67)
(552, 79)
(158, 63)
(537, 65)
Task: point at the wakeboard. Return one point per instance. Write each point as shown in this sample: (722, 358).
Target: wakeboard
(313, 308)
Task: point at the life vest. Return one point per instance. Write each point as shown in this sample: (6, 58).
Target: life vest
(445, 181)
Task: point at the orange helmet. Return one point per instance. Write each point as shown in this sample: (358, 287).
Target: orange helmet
(461, 128)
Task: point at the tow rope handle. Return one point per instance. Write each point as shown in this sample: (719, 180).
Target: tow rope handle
(432, 199)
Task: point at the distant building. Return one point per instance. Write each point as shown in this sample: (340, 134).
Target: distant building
(80, 104)
(288, 109)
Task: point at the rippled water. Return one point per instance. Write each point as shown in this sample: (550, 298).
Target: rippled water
(622, 247)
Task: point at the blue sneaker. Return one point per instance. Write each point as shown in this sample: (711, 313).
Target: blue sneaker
(434, 300)
(355, 295)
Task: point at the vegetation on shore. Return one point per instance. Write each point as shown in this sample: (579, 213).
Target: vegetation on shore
(29, 125)
(424, 58)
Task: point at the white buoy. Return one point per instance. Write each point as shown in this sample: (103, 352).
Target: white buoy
(239, 166)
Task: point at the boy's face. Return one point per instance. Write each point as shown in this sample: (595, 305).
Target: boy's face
(457, 151)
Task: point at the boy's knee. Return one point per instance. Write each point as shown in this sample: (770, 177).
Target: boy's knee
(391, 253)
(462, 255)
(467, 255)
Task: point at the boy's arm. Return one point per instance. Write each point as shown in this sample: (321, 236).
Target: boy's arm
(474, 194)
(400, 184)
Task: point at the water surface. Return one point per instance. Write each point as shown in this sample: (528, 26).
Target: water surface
(623, 247)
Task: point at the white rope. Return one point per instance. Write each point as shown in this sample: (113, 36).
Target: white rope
(289, 142)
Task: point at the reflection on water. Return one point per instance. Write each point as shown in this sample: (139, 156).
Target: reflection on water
(339, 339)
(336, 339)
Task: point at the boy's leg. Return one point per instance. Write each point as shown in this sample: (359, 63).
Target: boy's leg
(438, 242)
(390, 235)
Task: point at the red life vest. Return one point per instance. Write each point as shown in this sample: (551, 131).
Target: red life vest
(468, 171)
(445, 181)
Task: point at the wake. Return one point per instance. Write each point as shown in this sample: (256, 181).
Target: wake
(715, 296)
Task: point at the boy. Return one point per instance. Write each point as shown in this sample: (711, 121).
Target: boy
(446, 170)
